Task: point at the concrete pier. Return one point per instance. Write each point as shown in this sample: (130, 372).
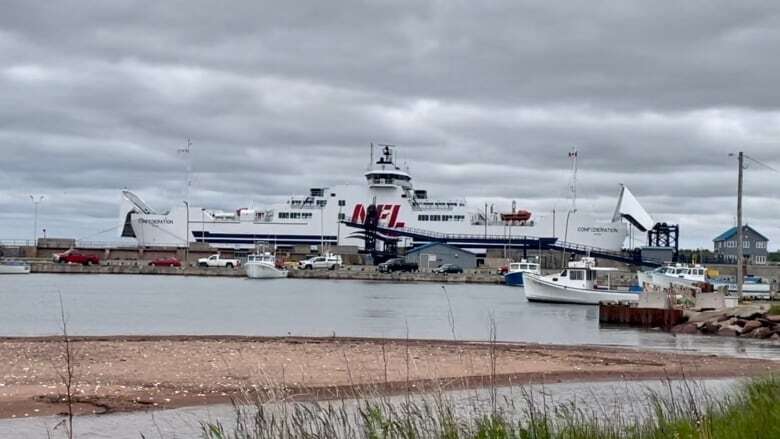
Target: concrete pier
(354, 273)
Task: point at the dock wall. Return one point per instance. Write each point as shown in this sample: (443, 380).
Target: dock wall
(354, 273)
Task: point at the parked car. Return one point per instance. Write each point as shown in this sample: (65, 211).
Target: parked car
(72, 256)
(218, 261)
(396, 264)
(448, 268)
(165, 262)
(328, 262)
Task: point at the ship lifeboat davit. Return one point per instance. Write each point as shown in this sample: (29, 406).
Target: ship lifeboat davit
(519, 216)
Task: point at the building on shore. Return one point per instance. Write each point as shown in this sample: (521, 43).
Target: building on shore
(435, 254)
(754, 246)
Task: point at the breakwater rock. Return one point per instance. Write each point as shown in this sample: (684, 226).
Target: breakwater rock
(743, 321)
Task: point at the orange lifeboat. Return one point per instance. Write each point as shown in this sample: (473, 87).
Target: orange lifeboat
(519, 216)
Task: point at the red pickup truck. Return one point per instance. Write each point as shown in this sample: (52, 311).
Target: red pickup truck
(73, 257)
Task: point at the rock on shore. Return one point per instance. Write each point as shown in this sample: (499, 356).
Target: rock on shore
(745, 321)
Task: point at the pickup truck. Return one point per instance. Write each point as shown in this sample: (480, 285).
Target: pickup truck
(73, 257)
(218, 261)
(396, 264)
(329, 262)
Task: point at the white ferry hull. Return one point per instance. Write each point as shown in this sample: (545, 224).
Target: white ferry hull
(402, 210)
(264, 271)
(171, 229)
(539, 289)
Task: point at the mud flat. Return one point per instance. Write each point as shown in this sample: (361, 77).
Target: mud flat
(122, 373)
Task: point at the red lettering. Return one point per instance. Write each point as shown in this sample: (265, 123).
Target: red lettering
(359, 214)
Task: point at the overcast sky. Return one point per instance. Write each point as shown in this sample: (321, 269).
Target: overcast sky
(484, 99)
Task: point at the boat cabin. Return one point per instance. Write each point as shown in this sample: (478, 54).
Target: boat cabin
(525, 267)
(582, 274)
(682, 271)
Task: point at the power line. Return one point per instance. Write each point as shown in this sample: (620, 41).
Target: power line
(760, 163)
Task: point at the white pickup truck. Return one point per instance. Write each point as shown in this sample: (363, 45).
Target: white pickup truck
(218, 261)
(329, 262)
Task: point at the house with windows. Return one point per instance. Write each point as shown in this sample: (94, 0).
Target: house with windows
(754, 246)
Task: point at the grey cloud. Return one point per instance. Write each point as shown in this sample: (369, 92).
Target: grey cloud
(484, 100)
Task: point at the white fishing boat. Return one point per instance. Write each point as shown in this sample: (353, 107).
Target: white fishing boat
(577, 284)
(514, 275)
(264, 266)
(678, 274)
(14, 267)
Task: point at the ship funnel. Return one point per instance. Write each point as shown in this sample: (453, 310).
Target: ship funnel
(628, 207)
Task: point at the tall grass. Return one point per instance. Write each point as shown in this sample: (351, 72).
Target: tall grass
(751, 410)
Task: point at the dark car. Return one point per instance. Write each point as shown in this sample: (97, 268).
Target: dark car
(73, 257)
(396, 264)
(165, 262)
(448, 268)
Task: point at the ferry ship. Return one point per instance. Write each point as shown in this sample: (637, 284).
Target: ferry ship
(327, 216)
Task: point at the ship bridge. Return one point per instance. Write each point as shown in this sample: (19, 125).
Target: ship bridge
(386, 174)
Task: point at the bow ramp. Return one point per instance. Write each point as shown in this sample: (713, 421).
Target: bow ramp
(628, 208)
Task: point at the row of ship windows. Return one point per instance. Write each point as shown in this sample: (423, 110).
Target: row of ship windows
(304, 215)
(440, 203)
(294, 215)
(440, 217)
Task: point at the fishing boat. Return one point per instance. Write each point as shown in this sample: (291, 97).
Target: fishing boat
(264, 266)
(678, 274)
(514, 276)
(14, 267)
(577, 284)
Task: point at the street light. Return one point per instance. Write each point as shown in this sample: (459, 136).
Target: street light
(36, 200)
(566, 237)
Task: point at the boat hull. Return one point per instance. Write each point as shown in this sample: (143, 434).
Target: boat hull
(539, 289)
(264, 271)
(514, 279)
(14, 269)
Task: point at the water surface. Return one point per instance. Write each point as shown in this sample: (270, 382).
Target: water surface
(164, 305)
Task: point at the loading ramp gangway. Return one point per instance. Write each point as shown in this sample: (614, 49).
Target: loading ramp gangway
(421, 236)
(631, 257)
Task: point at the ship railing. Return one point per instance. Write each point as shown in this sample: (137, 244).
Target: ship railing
(456, 236)
(585, 248)
(16, 242)
(419, 208)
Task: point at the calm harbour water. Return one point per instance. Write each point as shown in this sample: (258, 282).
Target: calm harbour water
(156, 305)
(115, 304)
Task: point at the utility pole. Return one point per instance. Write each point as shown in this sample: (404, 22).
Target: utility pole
(486, 219)
(187, 237)
(740, 238)
(36, 201)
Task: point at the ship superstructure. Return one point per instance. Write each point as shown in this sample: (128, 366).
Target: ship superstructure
(322, 216)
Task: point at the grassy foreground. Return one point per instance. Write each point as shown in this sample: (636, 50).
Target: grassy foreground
(752, 410)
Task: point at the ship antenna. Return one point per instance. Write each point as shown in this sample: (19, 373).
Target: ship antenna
(188, 168)
(573, 182)
(371, 158)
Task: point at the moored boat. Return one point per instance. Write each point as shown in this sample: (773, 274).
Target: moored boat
(264, 266)
(577, 284)
(678, 274)
(514, 277)
(14, 267)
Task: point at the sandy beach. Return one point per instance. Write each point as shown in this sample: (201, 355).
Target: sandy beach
(137, 373)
